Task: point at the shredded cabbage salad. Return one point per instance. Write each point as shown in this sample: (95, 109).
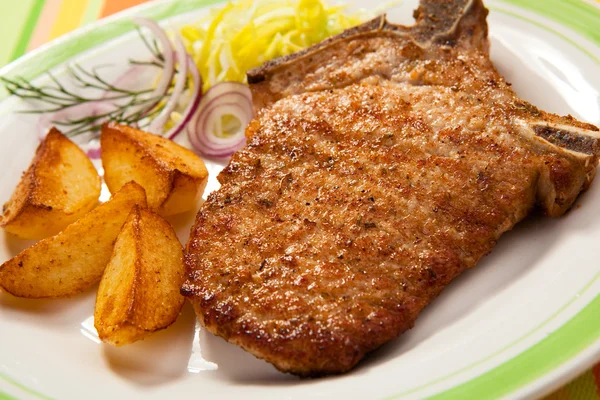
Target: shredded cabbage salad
(246, 33)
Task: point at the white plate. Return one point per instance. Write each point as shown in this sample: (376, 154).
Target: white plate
(519, 325)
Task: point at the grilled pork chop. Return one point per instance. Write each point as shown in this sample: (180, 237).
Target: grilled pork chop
(383, 163)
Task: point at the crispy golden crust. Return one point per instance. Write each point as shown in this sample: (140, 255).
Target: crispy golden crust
(59, 187)
(379, 170)
(73, 260)
(348, 212)
(174, 177)
(139, 291)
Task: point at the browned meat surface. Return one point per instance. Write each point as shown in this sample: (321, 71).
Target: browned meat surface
(386, 162)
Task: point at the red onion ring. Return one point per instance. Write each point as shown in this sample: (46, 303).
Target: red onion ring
(227, 98)
(218, 147)
(190, 111)
(207, 143)
(88, 109)
(131, 75)
(161, 119)
(228, 87)
(127, 76)
(94, 153)
(167, 52)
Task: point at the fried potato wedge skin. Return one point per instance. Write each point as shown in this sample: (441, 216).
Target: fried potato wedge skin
(60, 186)
(73, 260)
(173, 176)
(139, 291)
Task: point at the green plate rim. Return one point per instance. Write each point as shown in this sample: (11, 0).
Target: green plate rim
(561, 346)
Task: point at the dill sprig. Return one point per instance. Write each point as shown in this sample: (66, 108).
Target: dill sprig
(128, 106)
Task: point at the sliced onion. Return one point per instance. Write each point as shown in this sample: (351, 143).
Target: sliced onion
(135, 74)
(228, 88)
(161, 119)
(194, 102)
(94, 153)
(227, 98)
(135, 78)
(89, 109)
(218, 146)
(123, 81)
(167, 52)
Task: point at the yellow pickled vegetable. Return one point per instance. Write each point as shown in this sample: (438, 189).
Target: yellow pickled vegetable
(246, 33)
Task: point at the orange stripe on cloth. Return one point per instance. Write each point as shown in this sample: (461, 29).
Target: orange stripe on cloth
(41, 34)
(114, 6)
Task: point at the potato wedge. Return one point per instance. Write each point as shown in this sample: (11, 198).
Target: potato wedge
(59, 187)
(75, 259)
(173, 176)
(139, 291)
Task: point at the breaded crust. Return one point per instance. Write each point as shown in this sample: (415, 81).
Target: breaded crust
(376, 171)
